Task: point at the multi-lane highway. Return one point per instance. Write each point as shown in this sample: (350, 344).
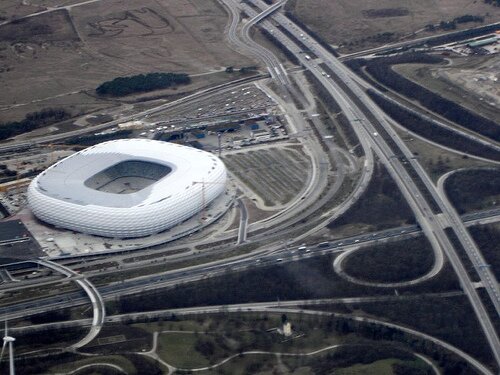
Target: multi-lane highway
(432, 210)
(246, 45)
(278, 255)
(417, 187)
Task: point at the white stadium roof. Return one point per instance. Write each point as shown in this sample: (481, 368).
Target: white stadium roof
(70, 193)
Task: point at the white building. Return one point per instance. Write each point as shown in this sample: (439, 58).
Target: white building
(127, 188)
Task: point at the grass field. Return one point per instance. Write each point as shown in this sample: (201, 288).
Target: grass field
(468, 81)
(382, 367)
(276, 175)
(359, 24)
(177, 349)
(58, 55)
(435, 160)
(200, 340)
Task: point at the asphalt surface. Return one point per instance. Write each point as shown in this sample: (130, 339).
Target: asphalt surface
(359, 118)
(366, 119)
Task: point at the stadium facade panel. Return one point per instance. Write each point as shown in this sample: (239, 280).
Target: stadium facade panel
(127, 188)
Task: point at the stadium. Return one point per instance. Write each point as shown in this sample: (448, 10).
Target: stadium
(127, 188)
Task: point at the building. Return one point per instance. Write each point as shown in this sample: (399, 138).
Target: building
(483, 42)
(127, 188)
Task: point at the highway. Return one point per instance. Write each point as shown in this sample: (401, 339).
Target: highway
(310, 202)
(474, 137)
(374, 133)
(244, 44)
(368, 121)
(279, 255)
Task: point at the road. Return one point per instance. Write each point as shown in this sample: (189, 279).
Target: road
(423, 114)
(312, 202)
(278, 255)
(99, 312)
(368, 121)
(244, 44)
(242, 230)
(276, 307)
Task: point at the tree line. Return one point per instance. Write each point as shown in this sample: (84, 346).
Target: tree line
(383, 206)
(493, 2)
(427, 129)
(450, 319)
(452, 25)
(33, 121)
(122, 86)
(487, 238)
(381, 70)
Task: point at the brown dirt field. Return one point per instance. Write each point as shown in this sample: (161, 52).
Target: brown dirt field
(73, 50)
(350, 21)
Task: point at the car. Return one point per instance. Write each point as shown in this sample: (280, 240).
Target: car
(279, 260)
(308, 250)
(302, 248)
(356, 241)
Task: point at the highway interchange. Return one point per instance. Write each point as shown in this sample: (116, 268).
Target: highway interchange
(376, 137)
(432, 227)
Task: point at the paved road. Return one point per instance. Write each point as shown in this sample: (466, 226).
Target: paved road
(245, 45)
(423, 114)
(242, 230)
(277, 255)
(94, 296)
(368, 121)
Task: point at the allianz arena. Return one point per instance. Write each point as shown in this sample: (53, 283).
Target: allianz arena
(127, 188)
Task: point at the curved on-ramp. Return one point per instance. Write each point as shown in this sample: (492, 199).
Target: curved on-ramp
(339, 260)
(99, 312)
